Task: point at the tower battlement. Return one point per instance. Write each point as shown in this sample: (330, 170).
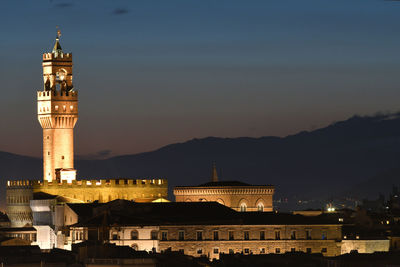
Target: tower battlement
(57, 95)
(57, 57)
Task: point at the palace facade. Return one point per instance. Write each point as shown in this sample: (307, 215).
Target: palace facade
(57, 109)
(236, 195)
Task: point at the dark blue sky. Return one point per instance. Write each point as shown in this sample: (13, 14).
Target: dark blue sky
(150, 73)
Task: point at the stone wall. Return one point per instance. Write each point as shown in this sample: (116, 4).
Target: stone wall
(19, 193)
(365, 246)
(254, 244)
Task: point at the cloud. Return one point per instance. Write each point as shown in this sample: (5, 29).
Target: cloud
(102, 154)
(120, 11)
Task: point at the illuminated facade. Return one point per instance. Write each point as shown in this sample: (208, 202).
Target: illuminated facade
(236, 195)
(57, 114)
(57, 108)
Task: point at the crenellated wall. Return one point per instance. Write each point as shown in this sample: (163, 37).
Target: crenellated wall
(20, 192)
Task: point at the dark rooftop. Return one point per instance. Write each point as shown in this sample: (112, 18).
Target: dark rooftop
(123, 212)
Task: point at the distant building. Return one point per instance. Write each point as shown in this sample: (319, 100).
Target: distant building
(236, 195)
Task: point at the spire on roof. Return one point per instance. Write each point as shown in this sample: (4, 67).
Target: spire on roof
(57, 47)
(214, 177)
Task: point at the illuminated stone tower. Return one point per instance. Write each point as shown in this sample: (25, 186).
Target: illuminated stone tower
(58, 114)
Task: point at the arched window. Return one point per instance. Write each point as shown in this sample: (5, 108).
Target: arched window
(220, 201)
(134, 235)
(260, 207)
(243, 207)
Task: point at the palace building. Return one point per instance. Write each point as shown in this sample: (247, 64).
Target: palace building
(236, 195)
(57, 109)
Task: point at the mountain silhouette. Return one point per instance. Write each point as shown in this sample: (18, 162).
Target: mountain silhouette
(349, 156)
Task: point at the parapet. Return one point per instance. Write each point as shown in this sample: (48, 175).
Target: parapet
(120, 182)
(57, 57)
(57, 95)
(20, 184)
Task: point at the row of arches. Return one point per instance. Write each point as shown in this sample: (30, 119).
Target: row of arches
(243, 204)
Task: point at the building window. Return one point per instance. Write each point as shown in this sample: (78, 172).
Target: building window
(62, 157)
(324, 250)
(199, 235)
(308, 234)
(260, 207)
(262, 235)
(231, 251)
(199, 251)
(293, 235)
(246, 235)
(231, 235)
(246, 251)
(216, 237)
(56, 107)
(262, 250)
(243, 207)
(324, 236)
(181, 235)
(216, 250)
(134, 235)
(293, 250)
(81, 236)
(154, 235)
(48, 153)
(308, 250)
(278, 235)
(115, 236)
(164, 235)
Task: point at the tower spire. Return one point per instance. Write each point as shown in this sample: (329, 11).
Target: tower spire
(214, 177)
(57, 47)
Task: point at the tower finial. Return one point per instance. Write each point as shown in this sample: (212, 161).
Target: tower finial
(214, 177)
(58, 32)
(57, 47)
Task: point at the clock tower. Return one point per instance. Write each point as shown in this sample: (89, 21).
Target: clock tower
(57, 114)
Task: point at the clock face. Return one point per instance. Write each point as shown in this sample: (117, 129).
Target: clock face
(60, 75)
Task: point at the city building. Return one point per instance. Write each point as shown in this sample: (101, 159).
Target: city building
(234, 194)
(57, 108)
(205, 229)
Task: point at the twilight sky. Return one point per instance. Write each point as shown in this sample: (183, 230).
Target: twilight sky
(150, 73)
